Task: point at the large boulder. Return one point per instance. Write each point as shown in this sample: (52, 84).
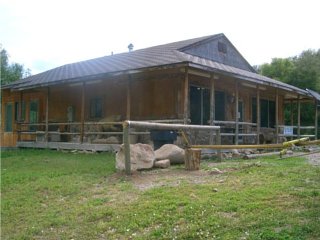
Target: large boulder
(141, 156)
(171, 152)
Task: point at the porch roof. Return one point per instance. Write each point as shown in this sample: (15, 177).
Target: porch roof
(162, 56)
(314, 94)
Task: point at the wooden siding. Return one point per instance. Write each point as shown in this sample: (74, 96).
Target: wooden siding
(209, 50)
(155, 99)
(9, 139)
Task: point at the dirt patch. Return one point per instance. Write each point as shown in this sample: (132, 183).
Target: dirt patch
(314, 159)
(144, 180)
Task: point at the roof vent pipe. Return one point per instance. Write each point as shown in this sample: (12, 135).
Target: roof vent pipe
(130, 47)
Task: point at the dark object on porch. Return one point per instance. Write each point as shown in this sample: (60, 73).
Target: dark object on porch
(160, 138)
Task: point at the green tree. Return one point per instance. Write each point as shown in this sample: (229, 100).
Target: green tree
(302, 71)
(11, 72)
(280, 69)
(307, 70)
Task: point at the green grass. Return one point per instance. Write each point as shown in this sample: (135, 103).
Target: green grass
(55, 195)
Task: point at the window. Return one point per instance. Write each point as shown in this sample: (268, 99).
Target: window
(267, 112)
(96, 108)
(8, 117)
(222, 47)
(220, 105)
(34, 113)
(200, 105)
(17, 106)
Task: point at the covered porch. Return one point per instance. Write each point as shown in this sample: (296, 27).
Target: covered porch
(89, 114)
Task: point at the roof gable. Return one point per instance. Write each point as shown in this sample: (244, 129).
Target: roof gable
(218, 48)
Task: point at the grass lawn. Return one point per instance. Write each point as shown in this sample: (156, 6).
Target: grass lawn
(54, 195)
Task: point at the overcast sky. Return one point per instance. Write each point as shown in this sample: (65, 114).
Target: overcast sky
(45, 34)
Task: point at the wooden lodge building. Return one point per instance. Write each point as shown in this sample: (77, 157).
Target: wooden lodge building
(198, 81)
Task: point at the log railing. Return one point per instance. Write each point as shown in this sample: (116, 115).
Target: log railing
(245, 129)
(65, 131)
(37, 131)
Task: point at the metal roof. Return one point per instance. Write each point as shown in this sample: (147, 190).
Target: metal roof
(161, 55)
(314, 94)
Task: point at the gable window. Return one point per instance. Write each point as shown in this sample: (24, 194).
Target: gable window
(8, 117)
(267, 112)
(96, 108)
(222, 47)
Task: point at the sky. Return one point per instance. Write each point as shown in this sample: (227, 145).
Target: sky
(44, 34)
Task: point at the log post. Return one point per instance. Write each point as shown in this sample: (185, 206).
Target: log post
(316, 119)
(186, 97)
(47, 116)
(82, 112)
(192, 159)
(20, 116)
(258, 115)
(126, 143)
(128, 115)
(218, 142)
(291, 115)
(212, 107)
(236, 141)
(277, 115)
(299, 113)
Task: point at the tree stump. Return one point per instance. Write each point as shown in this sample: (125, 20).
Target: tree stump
(192, 159)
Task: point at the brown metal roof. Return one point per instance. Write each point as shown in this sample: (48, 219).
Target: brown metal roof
(157, 56)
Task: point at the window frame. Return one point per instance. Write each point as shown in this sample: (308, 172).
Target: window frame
(19, 107)
(96, 108)
(8, 125)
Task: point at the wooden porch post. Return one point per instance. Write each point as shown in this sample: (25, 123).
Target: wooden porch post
(212, 106)
(277, 115)
(237, 113)
(299, 112)
(128, 114)
(291, 112)
(186, 97)
(20, 116)
(316, 119)
(47, 115)
(82, 111)
(258, 114)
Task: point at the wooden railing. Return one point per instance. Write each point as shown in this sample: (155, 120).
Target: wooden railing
(65, 131)
(44, 131)
(247, 132)
(297, 131)
(90, 131)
